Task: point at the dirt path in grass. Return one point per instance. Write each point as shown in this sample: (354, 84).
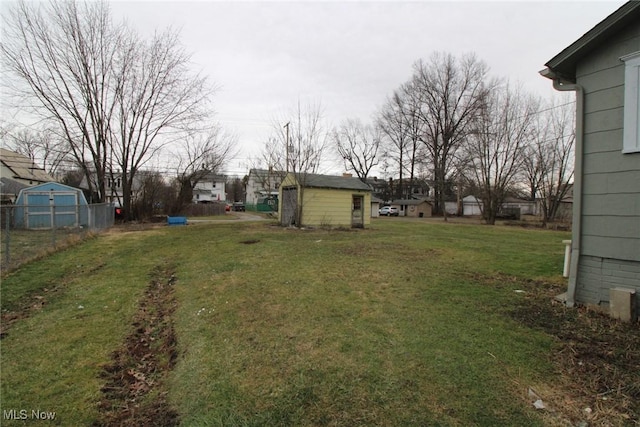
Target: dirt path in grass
(135, 392)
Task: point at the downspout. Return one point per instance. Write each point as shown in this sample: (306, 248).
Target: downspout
(563, 85)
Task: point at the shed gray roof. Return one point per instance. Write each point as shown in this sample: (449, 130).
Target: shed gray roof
(564, 63)
(410, 202)
(266, 172)
(333, 181)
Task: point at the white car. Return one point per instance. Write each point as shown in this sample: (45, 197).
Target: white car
(389, 211)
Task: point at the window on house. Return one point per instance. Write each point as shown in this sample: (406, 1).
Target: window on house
(631, 133)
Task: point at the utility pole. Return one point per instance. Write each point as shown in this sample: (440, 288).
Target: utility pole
(287, 142)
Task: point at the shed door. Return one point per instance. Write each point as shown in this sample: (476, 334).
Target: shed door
(357, 211)
(289, 206)
(51, 209)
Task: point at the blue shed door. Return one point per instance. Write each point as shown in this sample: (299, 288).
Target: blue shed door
(51, 209)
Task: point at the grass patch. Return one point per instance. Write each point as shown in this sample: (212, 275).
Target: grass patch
(402, 323)
(21, 246)
(223, 217)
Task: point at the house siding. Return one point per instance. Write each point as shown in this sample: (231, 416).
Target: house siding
(610, 233)
(326, 207)
(209, 189)
(261, 181)
(598, 275)
(416, 210)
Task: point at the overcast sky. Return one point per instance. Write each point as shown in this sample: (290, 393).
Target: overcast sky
(265, 56)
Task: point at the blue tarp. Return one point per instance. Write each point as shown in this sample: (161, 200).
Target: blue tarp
(177, 220)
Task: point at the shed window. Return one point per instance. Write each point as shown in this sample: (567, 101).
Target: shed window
(631, 136)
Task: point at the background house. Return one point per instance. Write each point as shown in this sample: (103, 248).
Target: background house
(324, 200)
(515, 208)
(413, 207)
(376, 204)
(211, 188)
(417, 188)
(18, 172)
(380, 188)
(21, 169)
(603, 68)
(262, 184)
(565, 207)
(472, 206)
(9, 190)
(114, 192)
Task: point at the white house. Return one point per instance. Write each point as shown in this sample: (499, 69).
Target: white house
(211, 188)
(262, 183)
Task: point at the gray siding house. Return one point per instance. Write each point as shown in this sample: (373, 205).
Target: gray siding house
(603, 68)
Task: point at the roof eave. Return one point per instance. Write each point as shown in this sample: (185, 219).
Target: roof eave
(564, 63)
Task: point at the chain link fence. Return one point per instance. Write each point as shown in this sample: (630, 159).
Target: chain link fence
(30, 231)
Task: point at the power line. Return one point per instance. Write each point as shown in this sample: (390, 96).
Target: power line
(554, 107)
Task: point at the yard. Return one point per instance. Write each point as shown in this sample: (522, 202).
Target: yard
(402, 323)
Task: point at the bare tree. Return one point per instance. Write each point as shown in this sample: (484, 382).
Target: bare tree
(200, 155)
(533, 164)
(153, 196)
(42, 146)
(401, 123)
(300, 140)
(393, 124)
(554, 152)
(358, 145)
(236, 189)
(415, 154)
(6, 128)
(62, 55)
(157, 101)
(115, 98)
(496, 146)
(297, 146)
(452, 92)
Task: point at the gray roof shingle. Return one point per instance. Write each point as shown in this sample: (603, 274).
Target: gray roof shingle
(333, 181)
(22, 167)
